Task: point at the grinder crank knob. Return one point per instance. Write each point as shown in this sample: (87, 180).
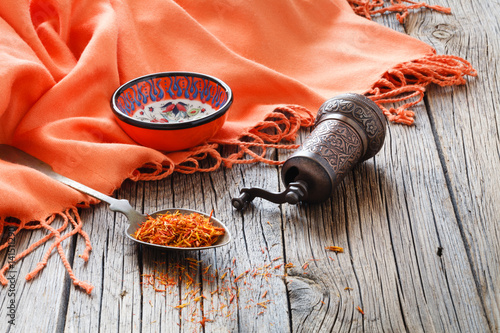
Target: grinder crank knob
(349, 129)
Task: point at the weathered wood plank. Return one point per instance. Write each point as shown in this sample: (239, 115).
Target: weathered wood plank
(258, 242)
(113, 269)
(466, 124)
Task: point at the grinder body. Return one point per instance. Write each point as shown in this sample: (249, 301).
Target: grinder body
(349, 129)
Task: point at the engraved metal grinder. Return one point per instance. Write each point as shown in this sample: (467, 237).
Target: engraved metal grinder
(349, 129)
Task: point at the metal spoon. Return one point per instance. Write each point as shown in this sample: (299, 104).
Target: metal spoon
(14, 155)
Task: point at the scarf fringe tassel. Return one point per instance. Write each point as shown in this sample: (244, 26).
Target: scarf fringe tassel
(407, 83)
(69, 216)
(367, 8)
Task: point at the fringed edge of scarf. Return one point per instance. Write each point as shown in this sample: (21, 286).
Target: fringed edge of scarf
(69, 216)
(406, 83)
(367, 8)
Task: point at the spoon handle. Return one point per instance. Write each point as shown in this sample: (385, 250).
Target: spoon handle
(14, 155)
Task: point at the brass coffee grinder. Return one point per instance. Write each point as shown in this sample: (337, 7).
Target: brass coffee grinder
(349, 129)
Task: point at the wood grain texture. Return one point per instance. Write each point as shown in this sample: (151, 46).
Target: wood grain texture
(390, 215)
(466, 127)
(419, 225)
(113, 269)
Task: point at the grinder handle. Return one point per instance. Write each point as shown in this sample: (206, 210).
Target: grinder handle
(293, 194)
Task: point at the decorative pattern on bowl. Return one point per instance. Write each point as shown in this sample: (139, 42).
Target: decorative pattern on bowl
(178, 111)
(172, 101)
(181, 90)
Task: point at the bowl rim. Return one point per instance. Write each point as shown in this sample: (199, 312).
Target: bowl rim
(170, 126)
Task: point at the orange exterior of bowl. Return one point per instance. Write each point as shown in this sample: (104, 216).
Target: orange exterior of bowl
(173, 140)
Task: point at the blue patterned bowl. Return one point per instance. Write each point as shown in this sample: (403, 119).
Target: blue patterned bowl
(172, 111)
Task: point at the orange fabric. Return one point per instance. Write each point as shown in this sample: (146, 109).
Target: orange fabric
(61, 60)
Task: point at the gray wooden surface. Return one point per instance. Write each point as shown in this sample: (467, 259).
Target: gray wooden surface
(419, 225)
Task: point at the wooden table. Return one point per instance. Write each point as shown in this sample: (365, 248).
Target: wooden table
(419, 225)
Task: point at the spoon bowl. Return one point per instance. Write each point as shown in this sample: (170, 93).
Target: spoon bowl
(17, 156)
(223, 240)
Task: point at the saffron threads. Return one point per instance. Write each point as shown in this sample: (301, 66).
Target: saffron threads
(180, 306)
(219, 289)
(205, 293)
(263, 304)
(337, 249)
(204, 321)
(179, 230)
(360, 311)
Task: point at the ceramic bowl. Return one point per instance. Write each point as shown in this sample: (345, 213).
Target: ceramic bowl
(172, 111)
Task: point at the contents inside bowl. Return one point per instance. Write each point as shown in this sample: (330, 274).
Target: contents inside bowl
(179, 230)
(174, 97)
(174, 111)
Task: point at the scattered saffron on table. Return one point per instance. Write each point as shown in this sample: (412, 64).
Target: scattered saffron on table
(361, 311)
(180, 306)
(217, 291)
(204, 321)
(335, 249)
(179, 230)
(239, 277)
(194, 261)
(263, 304)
